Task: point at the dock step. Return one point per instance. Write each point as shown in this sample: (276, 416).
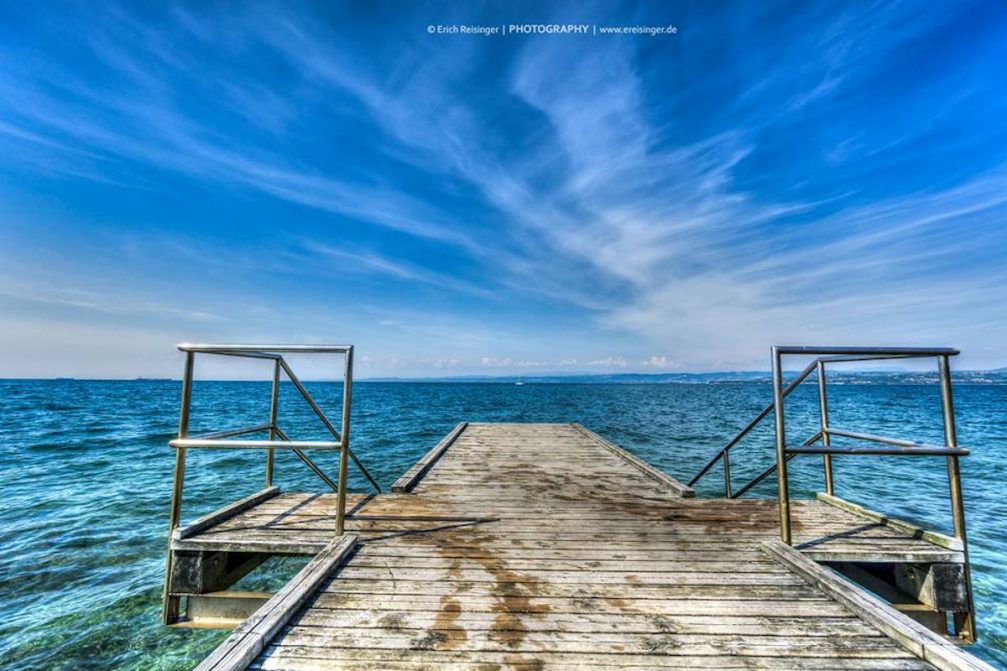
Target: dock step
(253, 634)
(221, 610)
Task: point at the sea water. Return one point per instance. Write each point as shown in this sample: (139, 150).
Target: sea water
(87, 480)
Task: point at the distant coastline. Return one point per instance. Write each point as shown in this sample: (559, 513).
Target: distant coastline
(992, 377)
(998, 376)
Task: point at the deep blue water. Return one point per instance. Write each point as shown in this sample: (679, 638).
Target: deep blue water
(87, 478)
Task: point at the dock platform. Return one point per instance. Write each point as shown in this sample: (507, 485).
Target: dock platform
(544, 546)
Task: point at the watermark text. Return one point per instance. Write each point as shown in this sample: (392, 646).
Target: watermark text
(522, 29)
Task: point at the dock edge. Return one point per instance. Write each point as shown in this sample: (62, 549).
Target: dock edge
(412, 477)
(671, 483)
(939, 539)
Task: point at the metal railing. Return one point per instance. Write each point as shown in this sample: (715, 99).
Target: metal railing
(277, 438)
(875, 445)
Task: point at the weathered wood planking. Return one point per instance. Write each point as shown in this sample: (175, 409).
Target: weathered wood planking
(537, 547)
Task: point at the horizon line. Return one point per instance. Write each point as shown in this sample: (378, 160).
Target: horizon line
(490, 377)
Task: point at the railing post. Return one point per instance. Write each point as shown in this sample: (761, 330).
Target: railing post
(344, 437)
(727, 474)
(823, 406)
(783, 493)
(170, 607)
(274, 407)
(964, 622)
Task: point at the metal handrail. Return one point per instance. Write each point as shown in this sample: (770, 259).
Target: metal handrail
(277, 438)
(964, 622)
(267, 351)
(272, 352)
(871, 438)
(830, 355)
(745, 431)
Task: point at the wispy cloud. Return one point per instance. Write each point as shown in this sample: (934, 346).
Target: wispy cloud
(111, 304)
(349, 261)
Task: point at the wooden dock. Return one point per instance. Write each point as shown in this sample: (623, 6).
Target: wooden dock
(543, 546)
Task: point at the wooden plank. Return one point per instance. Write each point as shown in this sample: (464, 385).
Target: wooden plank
(670, 604)
(225, 513)
(315, 659)
(913, 530)
(276, 545)
(607, 623)
(249, 638)
(550, 576)
(811, 533)
(664, 644)
(300, 542)
(881, 552)
(587, 589)
(811, 536)
(911, 635)
(671, 483)
(372, 557)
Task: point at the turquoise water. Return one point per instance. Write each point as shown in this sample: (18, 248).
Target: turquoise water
(87, 476)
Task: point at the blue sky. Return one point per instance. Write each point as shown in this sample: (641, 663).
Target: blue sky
(806, 173)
